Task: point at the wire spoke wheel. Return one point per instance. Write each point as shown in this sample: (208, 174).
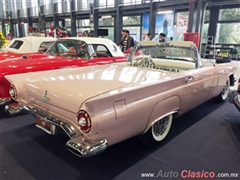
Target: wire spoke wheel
(161, 128)
(225, 90)
(224, 93)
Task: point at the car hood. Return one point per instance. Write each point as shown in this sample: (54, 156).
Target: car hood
(69, 88)
(6, 55)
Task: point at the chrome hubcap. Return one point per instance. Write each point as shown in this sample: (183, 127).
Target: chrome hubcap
(160, 126)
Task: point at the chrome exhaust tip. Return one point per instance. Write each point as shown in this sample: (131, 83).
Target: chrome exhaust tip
(86, 149)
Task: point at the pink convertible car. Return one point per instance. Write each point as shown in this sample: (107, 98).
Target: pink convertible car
(98, 106)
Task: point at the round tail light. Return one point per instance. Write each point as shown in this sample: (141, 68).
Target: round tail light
(84, 121)
(13, 92)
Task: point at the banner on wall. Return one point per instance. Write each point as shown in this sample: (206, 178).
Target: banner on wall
(182, 24)
(164, 24)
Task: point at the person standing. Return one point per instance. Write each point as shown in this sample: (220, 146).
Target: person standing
(123, 35)
(160, 38)
(147, 37)
(122, 39)
(127, 42)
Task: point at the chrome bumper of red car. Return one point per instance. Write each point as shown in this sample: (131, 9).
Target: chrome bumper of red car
(12, 109)
(5, 101)
(77, 144)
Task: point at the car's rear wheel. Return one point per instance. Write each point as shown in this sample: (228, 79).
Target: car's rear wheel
(158, 132)
(224, 94)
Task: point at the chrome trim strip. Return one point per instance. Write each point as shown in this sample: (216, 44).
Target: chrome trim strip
(172, 112)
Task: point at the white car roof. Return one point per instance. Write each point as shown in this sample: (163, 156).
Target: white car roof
(113, 48)
(30, 44)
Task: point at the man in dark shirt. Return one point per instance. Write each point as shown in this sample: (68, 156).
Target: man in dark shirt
(127, 42)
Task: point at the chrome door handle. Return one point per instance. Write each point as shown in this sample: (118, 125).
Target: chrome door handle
(188, 79)
(221, 71)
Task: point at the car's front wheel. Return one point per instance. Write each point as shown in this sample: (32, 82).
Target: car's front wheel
(224, 94)
(158, 131)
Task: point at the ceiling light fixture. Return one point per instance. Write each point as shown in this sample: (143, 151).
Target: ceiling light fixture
(164, 12)
(105, 17)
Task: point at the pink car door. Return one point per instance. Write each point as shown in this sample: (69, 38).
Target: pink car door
(197, 86)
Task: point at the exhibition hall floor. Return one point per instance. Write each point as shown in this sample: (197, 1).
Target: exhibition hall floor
(205, 140)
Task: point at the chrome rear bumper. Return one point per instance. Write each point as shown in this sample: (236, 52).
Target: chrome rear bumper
(77, 144)
(4, 101)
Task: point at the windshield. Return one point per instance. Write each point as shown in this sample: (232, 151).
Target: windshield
(165, 57)
(178, 53)
(70, 49)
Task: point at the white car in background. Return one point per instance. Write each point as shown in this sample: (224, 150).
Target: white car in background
(26, 45)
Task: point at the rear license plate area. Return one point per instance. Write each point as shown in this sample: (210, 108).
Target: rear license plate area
(44, 125)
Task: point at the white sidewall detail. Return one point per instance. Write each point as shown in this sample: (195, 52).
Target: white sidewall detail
(225, 90)
(161, 137)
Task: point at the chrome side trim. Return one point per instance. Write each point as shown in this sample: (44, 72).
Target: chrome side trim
(4, 101)
(78, 144)
(172, 112)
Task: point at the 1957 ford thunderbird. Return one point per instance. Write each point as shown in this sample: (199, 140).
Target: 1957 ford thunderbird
(100, 106)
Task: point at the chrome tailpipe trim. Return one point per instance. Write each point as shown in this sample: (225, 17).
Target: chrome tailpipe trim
(4, 101)
(12, 109)
(86, 148)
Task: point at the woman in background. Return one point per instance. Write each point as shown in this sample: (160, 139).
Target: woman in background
(147, 37)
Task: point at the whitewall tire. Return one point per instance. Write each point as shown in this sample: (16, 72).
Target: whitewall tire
(158, 131)
(224, 94)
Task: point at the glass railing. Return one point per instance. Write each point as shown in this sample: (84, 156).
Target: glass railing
(58, 7)
(66, 6)
(14, 14)
(3, 14)
(106, 4)
(47, 9)
(33, 11)
(131, 2)
(23, 13)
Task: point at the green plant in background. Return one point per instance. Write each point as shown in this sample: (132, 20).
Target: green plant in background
(2, 40)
